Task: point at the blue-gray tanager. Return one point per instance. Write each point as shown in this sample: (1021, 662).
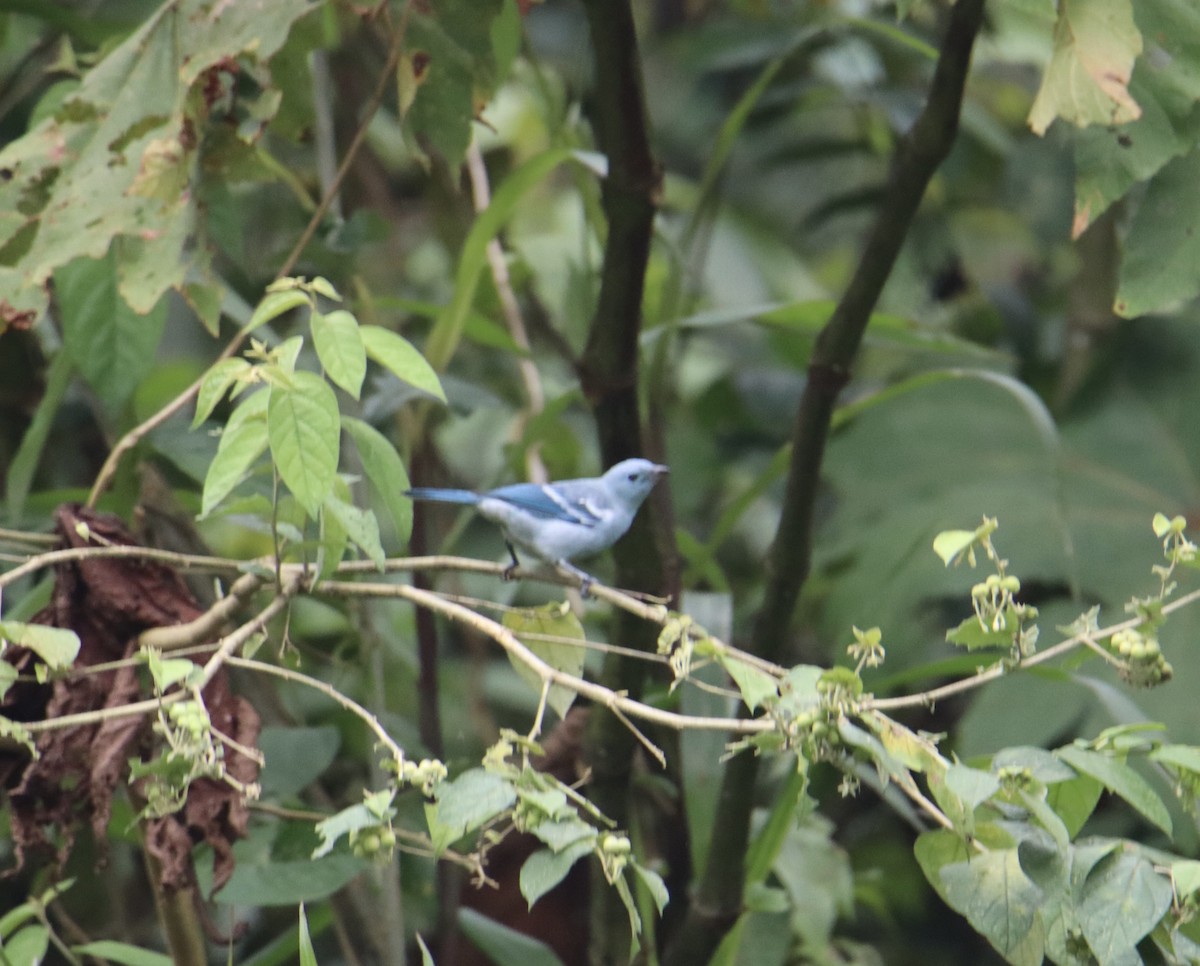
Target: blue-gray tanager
(558, 522)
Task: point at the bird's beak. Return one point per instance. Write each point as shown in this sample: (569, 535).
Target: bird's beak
(660, 470)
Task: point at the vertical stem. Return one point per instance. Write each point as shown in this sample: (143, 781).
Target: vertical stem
(718, 898)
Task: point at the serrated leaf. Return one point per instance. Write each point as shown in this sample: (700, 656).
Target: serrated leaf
(757, 687)
(545, 869)
(385, 472)
(534, 626)
(1121, 780)
(360, 526)
(348, 820)
(56, 646)
(217, 381)
(465, 803)
(243, 441)
(340, 348)
(303, 426)
(396, 354)
(1087, 79)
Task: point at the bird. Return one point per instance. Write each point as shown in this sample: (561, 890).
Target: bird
(557, 522)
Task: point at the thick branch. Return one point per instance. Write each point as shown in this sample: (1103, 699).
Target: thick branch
(718, 900)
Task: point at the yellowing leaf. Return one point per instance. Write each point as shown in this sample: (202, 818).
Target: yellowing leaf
(1087, 79)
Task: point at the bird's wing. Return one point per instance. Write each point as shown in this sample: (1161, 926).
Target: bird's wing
(570, 502)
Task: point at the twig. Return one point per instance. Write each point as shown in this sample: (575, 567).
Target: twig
(535, 397)
(509, 641)
(329, 691)
(206, 626)
(187, 561)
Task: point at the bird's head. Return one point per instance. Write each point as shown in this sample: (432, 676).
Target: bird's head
(632, 480)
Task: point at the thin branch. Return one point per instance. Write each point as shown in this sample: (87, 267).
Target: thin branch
(205, 627)
(535, 396)
(509, 641)
(296, 677)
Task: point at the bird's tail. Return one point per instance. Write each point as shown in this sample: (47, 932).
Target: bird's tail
(438, 495)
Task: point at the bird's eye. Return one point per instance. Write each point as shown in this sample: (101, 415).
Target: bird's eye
(633, 477)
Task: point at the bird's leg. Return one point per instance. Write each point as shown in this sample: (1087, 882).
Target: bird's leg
(585, 579)
(510, 572)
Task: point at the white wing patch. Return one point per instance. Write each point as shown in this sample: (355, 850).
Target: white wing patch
(582, 511)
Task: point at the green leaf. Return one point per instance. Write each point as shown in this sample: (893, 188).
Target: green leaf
(280, 883)
(1121, 780)
(218, 381)
(534, 626)
(1074, 801)
(275, 304)
(112, 345)
(545, 869)
(1086, 82)
(1162, 247)
(1184, 757)
(8, 674)
(757, 687)
(308, 955)
(558, 834)
(385, 472)
(1122, 900)
(447, 331)
(970, 785)
(999, 901)
(56, 646)
(396, 354)
(303, 425)
(654, 885)
(349, 819)
(340, 348)
(950, 543)
(360, 525)
(168, 671)
(118, 952)
(443, 87)
(27, 947)
(465, 803)
(426, 955)
(295, 757)
(504, 946)
(243, 441)
(25, 463)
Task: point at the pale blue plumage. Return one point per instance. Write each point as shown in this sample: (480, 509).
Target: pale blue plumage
(558, 522)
